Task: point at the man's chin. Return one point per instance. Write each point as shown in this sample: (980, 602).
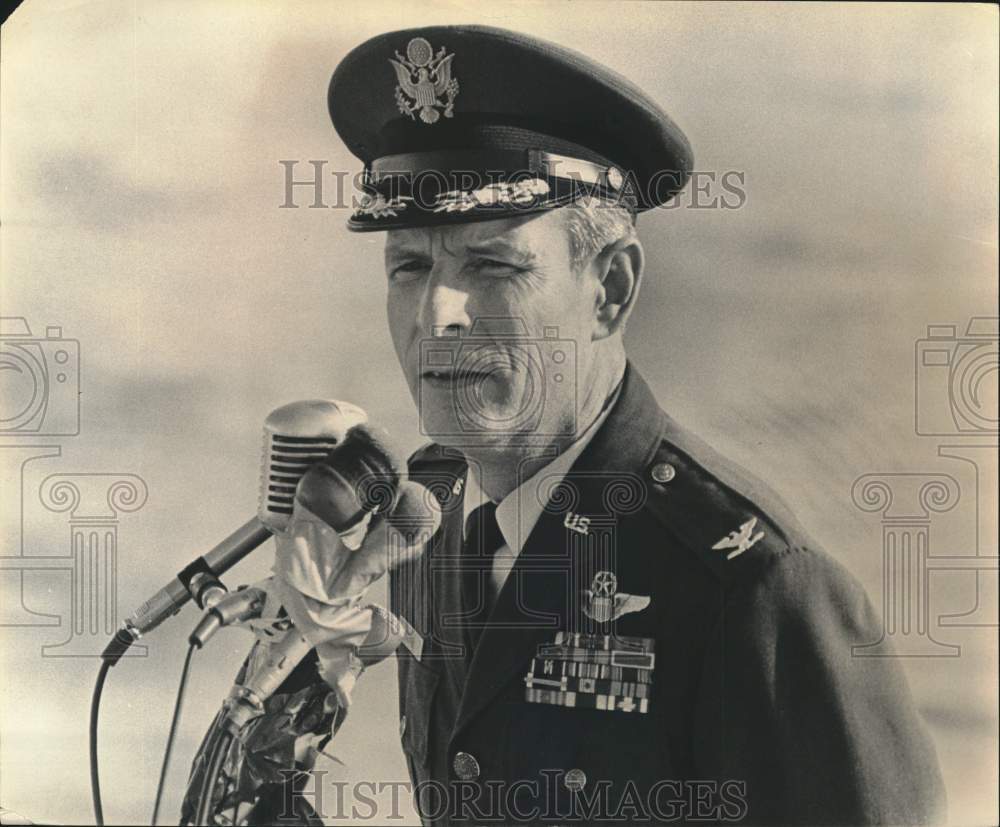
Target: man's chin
(478, 443)
(456, 435)
(484, 443)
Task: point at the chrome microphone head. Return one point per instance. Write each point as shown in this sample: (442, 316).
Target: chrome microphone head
(296, 436)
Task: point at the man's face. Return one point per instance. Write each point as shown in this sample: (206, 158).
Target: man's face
(493, 328)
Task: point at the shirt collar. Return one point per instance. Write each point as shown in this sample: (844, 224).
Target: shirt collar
(518, 512)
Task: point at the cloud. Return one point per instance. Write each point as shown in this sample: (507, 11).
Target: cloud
(90, 192)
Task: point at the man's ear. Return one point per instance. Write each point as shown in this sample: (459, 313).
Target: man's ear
(619, 268)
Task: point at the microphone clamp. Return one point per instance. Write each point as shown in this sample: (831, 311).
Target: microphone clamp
(226, 610)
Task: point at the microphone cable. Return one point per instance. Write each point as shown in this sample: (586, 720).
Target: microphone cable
(110, 657)
(178, 705)
(95, 706)
(112, 653)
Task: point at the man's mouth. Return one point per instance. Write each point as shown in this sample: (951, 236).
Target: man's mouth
(446, 376)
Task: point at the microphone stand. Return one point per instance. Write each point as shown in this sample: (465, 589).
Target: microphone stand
(220, 748)
(252, 758)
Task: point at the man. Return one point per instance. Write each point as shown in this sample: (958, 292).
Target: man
(612, 623)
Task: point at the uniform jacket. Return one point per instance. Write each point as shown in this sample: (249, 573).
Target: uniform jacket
(756, 712)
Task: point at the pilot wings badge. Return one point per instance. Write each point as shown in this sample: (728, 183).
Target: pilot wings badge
(604, 604)
(423, 77)
(740, 540)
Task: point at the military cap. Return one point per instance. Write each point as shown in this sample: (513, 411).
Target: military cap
(465, 123)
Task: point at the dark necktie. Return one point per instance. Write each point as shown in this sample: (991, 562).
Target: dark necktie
(482, 539)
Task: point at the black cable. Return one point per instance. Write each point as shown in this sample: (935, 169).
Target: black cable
(95, 706)
(178, 704)
(117, 646)
(212, 770)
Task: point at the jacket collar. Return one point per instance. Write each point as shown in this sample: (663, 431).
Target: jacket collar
(632, 432)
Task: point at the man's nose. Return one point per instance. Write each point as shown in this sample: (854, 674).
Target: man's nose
(445, 308)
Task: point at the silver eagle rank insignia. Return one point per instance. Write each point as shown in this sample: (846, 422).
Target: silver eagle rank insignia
(740, 540)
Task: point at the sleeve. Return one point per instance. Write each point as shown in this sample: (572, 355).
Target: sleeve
(816, 734)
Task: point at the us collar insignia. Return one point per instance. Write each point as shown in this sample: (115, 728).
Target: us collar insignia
(740, 540)
(581, 525)
(423, 77)
(604, 604)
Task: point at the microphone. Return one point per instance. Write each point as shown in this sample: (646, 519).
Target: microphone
(415, 518)
(338, 499)
(296, 436)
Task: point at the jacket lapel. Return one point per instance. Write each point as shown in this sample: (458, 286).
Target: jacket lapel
(446, 576)
(430, 589)
(544, 592)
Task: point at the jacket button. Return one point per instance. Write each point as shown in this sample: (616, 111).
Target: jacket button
(466, 766)
(662, 472)
(575, 779)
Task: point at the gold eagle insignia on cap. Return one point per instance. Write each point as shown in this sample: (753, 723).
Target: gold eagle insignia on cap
(423, 77)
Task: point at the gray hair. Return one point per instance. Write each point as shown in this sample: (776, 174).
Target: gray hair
(593, 224)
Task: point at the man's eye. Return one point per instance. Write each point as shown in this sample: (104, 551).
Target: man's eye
(409, 271)
(494, 267)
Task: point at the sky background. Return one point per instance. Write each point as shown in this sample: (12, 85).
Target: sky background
(140, 187)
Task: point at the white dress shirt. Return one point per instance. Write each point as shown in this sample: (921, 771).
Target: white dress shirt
(518, 512)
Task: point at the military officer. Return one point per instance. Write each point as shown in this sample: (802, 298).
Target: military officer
(612, 623)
